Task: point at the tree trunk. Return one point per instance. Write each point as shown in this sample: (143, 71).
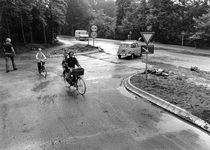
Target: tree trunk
(8, 29)
(21, 23)
(1, 13)
(52, 34)
(157, 32)
(31, 35)
(45, 39)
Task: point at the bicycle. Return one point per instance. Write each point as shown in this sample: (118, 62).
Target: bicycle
(43, 70)
(75, 79)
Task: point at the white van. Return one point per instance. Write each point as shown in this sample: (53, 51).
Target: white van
(81, 35)
(129, 49)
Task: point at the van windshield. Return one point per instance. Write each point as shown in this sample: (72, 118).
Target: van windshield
(83, 32)
(125, 45)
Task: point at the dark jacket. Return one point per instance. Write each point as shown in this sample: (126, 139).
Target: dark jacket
(8, 48)
(71, 62)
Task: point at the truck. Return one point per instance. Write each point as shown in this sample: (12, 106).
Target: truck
(81, 35)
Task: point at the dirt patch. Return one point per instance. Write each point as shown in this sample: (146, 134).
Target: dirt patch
(187, 89)
(77, 48)
(25, 48)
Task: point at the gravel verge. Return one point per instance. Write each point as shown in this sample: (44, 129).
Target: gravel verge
(184, 88)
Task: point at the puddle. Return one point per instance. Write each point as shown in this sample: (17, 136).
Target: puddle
(124, 92)
(99, 77)
(171, 124)
(41, 86)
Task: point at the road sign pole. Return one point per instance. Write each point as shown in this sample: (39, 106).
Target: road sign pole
(182, 40)
(147, 36)
(146, 60)
(93, 41)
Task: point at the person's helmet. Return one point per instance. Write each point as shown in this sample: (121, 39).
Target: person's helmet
(39, 49)
(8, 40)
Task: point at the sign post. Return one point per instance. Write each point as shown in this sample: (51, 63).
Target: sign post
(183, 33)
(146, 60)
(93, 35)
(94, 28)
(147, 36)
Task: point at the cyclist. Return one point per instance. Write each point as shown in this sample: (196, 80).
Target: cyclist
(65, 53)
(71, 61)
(40, 57)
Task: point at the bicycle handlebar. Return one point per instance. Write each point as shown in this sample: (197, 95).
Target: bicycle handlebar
(41, 60)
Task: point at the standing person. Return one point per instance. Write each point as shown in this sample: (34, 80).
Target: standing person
(9, 54)
(40, 57)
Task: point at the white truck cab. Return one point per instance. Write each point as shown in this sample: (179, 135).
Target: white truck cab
(81, 35)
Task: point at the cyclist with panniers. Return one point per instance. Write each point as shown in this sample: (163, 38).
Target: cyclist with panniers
(69, 64)
(73, 75)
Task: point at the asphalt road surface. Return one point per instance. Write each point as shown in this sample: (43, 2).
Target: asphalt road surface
(42, 114)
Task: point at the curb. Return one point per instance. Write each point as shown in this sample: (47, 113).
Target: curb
(61, 55)
(166, 105)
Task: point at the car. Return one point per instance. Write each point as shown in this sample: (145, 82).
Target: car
(81, 35)
(129, 49)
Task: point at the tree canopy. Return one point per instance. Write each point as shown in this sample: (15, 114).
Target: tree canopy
(32, 21)
(171, 20)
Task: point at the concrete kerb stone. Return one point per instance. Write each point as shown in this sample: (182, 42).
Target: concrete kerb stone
(166, 105)
(61, 55)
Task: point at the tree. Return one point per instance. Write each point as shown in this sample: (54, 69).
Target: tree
(122, 7)
(135, 20)
(56, 17)
(32, 21)
(79, 14)
(105, 25)
(108, 6)
(202, 26)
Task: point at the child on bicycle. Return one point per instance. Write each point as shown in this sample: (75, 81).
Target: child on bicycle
(40, 57)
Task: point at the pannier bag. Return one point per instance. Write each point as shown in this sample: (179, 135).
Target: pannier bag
(78, 71)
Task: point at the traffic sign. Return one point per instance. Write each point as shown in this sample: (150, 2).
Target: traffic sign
(94, 28)
(147, 36)
(147, 49)
(93, 34)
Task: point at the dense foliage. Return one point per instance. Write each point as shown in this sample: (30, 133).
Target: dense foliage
(31, 21)
(171, 20)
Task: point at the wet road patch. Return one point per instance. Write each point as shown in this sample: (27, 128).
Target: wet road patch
(4, 93)
(41, 86)
(47, 99)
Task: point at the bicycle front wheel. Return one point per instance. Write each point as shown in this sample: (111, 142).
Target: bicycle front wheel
(65, 75)
(81, 86)
(44, 71)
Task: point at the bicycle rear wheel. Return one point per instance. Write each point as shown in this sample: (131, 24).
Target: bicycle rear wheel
(81, 86)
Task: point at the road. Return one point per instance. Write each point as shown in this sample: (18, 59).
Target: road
(38, 113)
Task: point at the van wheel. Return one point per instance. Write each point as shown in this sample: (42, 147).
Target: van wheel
(119, 56)
(132, 56)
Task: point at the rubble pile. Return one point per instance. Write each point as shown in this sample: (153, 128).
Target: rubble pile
(159, 72)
